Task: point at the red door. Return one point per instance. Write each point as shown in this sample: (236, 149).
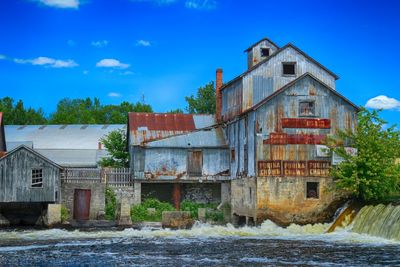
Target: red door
(82, 204)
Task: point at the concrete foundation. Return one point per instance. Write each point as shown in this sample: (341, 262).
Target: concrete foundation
(53, 215)
(177, 220)
(4, 222)
(123, 216)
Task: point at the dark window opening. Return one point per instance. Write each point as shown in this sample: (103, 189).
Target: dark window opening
(37, 178)
(307, 108)
(232, 154)
(289, 68)
(265, 52)
(250, 195)
(312, 190)
(195, 163)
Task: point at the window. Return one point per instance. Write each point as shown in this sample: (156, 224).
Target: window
(264, 52)
(232, 154)
(289, 68)
(195, 163)
(37, 178)
(307, 108)
(312, 190)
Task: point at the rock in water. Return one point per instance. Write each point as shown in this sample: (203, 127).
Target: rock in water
(177, 220)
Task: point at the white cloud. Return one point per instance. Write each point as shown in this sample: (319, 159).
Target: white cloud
(383, 102)
(48, 62)
(143, 43)
(61, 3)
(2, 56)
(111, 63)
(127, 73)
(201, 4)
(100, 43)
(158, 2)
(114, 94)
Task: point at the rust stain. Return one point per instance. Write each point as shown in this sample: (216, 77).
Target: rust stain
(306, 123)
(294, 139)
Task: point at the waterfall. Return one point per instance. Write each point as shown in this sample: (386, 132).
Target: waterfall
(380, 220)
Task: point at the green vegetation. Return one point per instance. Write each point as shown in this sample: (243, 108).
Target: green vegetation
(111, 204)
(211, 210)
(64, 214)
(204, 101)
(18, 114)
(116, 143)
(372, 175)
(139, 212)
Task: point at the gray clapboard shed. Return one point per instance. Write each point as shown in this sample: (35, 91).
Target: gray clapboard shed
(27, 176)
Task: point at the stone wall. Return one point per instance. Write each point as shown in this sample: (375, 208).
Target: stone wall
(202, 193)
(243, 197)
(127, 193)
(97, 200)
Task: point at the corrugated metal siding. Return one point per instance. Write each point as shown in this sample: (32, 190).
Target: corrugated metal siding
(255, 57)
(16, 178)
(232, 100)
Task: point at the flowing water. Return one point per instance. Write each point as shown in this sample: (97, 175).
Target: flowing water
(203, 245)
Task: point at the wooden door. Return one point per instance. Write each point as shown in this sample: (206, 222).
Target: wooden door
(195, 163)
(82, 204)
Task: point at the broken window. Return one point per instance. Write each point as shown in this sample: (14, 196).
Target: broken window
(232, 154)
(307, 108)
(312, 190)
(37, 178)
(289, 68)
(264, 52)
(195, 163)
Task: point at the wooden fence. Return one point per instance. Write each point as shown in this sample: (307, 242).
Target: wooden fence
(116, 177)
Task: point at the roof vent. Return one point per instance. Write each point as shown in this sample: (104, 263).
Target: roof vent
(42, 127)
(63, 127)
(21, 127)
(84, 127)
(105, 126)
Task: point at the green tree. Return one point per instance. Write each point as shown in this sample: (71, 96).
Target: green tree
(371, 175)
(116, 143)
(176, 111)
(19, 115)
(203, 102)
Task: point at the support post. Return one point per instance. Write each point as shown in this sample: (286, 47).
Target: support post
(176, 196)
(137, 187)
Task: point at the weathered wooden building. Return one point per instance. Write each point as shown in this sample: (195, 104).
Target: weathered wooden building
(177, 157)
(277, 115)
(3, 147)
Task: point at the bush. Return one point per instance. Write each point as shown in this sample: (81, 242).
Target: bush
(111, 204)
(211, 213)
(139, 212)
(64, 214)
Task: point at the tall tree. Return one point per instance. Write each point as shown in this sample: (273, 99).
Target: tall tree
(115, 143)
(372, 174)
(17, 114)
(203, 102)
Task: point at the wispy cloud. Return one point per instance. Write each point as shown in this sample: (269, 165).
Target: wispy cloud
(114, 94)
(100, 43)
(201, 4)
(61, 3)
(111, 63)
(157, 2)
(2, 56)
(383, 102)
(85, 72)
(125, 73)
(71, 43)
(143, 43)
(48, 62)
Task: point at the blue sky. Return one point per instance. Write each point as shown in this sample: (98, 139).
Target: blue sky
(120, 50)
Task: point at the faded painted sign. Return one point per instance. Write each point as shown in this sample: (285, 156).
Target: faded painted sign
(306, 123)
(319, 168)
(269, 168)
(294, 139)
(294, 168)
(336, 159)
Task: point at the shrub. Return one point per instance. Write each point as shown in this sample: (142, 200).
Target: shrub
(139, 212)
(211, 214)
(111, 204)
(64, 214)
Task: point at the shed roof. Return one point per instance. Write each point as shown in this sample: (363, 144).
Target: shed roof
(3, 146)
(23, 147)
(225, 85)
(205, 138)
(151, 126)
(77, 136)
(74, 158)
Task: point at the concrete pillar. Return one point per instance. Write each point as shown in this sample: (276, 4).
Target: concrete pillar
(176, 196)
(201, 214)
(225, 192)
(124, 213)
(137, 187)
(4, 221)
(53, 214)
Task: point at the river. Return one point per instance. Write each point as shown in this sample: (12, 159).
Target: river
(203, 245)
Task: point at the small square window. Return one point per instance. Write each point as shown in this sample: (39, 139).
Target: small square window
(289, 68)
(307, 108)
(312, 190)
(232, 154)
(37, 178)
(264, 52)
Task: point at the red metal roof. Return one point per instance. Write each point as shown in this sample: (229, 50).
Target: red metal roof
(161, 121)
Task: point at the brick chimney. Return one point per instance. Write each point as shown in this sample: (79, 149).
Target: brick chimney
(218, 95)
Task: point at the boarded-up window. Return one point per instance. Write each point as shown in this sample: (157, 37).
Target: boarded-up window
(307, 108)
(37, 178)
(312, 190)
(195, 163)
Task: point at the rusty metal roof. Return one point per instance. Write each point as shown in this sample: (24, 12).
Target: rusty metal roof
(152, 126)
